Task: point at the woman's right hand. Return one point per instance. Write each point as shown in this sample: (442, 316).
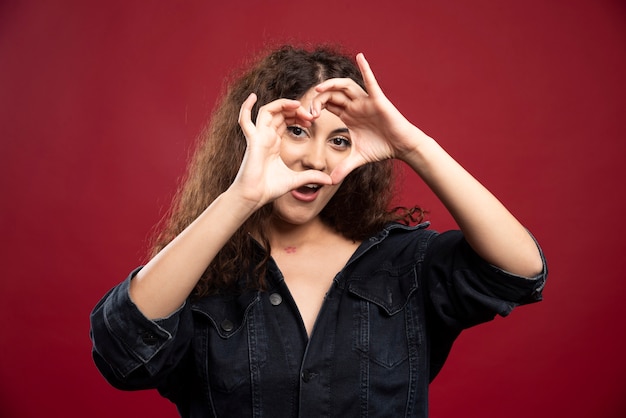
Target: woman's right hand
(263, 176)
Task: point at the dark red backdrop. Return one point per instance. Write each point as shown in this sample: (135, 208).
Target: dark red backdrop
(99, 103)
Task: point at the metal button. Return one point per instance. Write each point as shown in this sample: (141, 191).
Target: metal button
(276, 299)
(227, 325)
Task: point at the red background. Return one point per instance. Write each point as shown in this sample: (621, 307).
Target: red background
(100, 102)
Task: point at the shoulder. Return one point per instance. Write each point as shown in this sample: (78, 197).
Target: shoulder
(399, 243)
(384, 269)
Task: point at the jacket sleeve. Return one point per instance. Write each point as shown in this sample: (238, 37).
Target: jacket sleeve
(463, 290)
(132, 351)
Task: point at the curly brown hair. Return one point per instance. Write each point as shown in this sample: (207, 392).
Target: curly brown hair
(359, 209)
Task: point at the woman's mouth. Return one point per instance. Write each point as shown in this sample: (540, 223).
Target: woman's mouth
(306, 193)
(309, 188)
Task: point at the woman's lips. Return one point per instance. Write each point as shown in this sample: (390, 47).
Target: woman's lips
(306, 193)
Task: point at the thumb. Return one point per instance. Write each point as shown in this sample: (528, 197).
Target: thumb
(311, 177)
(344, 168)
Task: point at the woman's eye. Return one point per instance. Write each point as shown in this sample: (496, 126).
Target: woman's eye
(341, 142)
(296, 131)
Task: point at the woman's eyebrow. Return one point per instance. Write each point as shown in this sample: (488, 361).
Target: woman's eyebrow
(342, 130)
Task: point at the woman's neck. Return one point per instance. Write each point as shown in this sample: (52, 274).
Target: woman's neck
(289, 236)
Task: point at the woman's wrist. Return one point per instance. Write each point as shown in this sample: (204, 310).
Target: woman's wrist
(413, 145)
(240, 201)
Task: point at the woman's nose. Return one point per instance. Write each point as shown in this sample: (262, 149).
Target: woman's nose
(315, 156)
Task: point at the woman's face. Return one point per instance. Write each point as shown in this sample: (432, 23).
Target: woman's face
(319, 147)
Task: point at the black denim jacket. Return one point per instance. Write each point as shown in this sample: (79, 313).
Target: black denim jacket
(384, 330)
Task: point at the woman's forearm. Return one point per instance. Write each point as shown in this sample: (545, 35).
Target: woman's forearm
(492, 231)
(166, 280)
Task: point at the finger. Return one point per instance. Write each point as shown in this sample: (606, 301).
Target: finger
(269, 111)
(245, 111)
(344, 168)
(336, 110)
(245, 114)
(371, 85)
(329, 98)
(299, 116)
(276, 113)
(347, 85)
(297, 121)
(311, 177)
(303, 114)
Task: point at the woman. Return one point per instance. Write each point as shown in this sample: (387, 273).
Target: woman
(282, 286)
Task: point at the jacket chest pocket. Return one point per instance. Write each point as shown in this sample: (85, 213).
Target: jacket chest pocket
(383, 316)
(229, 343)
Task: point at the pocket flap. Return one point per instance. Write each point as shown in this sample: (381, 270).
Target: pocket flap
(386, 288)
(227, 313)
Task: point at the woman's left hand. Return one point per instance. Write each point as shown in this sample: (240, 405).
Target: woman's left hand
(378, 130)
